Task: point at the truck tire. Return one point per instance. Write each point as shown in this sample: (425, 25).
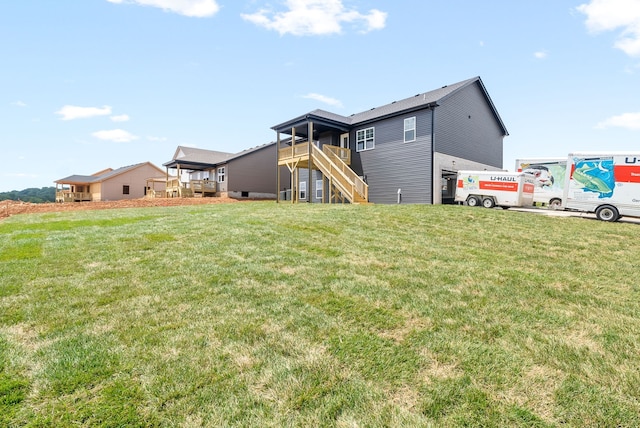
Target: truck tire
(607, 213)
(473, 201)
(488, 203)
(555, 204)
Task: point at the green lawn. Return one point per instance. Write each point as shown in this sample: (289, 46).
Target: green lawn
(258, 314)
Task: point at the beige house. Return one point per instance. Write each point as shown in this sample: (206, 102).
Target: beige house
(128, 182)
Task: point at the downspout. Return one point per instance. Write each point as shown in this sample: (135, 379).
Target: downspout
(433, 149)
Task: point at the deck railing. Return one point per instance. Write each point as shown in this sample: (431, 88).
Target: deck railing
(69, 196)
(342, 153)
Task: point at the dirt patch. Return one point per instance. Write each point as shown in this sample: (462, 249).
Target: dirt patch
(9, 208)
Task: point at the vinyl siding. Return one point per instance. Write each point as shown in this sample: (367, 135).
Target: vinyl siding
(465, 127)
(394, 164)
(255, 172)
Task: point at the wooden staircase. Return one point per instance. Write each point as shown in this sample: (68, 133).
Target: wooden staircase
(344, 184)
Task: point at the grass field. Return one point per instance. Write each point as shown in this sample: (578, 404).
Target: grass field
(259, 315)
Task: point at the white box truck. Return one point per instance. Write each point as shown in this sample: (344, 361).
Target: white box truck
(549, 176)
(607, 184)
(495, 188)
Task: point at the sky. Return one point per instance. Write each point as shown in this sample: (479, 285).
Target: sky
(92, 84)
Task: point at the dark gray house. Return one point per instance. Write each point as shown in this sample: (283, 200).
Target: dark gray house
(409, 149)
(247, 174)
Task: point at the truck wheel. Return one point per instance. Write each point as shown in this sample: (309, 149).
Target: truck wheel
(473, 201)
(607, 213)
(555, 204)
(488, 203)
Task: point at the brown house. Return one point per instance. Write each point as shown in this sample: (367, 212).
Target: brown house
(129, 182)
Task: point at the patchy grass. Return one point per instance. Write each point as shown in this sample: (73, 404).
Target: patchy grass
(260, 314)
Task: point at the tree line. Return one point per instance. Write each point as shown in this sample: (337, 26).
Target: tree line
(33, 195)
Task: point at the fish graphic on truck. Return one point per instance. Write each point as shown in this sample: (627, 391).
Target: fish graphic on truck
(606, 184)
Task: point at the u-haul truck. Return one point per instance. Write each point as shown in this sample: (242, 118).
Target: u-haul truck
(549, 176)
(495, 188)
(606, 184)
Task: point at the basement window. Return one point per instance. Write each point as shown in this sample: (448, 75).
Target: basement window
(303, 190)
(319, 185)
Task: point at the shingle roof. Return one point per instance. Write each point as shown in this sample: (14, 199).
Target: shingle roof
(87, 179)
(193, 157)
(422, 100)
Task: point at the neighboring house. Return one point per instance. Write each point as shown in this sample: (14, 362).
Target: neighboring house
(247, 174)
(408, 150)
(129, 182)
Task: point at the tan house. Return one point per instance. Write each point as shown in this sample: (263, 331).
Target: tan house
(128, 182)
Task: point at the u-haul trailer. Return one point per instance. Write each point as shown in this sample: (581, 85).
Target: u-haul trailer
(607, 184)
(495, 188)
(549, 176)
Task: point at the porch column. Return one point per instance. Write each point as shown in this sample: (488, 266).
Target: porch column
(294, 189)
(277, 167)
(310, 142)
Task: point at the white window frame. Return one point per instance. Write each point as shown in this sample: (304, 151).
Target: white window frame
(411, 129)
(319, 188)
(302, 191)
(367, 141)
(220, 174)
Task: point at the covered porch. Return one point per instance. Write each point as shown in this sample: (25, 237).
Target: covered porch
(318, 143)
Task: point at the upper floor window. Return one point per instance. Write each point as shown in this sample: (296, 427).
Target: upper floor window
(365, 139)
(410, 129)
(221, 174)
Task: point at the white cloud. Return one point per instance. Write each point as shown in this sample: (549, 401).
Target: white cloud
(625, 120)
(19, 104)
(75, 112)
(190, 8)
(316, 17)
(115, 135)
(540, 54)
(120, 118)
(610, 15)
(324, 99)
(151, 138)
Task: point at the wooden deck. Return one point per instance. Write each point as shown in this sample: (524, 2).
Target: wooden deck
(178, 189)
(334, 163)
(69, 196)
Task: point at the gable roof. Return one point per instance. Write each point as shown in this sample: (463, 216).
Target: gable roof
(420, 101)
(192, 157)
(103, 175)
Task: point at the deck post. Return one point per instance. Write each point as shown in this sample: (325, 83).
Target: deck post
(277, 167)
(310, 143)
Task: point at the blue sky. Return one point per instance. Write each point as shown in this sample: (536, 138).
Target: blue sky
(91, 84)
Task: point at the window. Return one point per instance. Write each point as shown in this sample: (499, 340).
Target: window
(410, 129)
(303, 190)
(125, 189)
(365, 139)
(319, 185)
(221, 174)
